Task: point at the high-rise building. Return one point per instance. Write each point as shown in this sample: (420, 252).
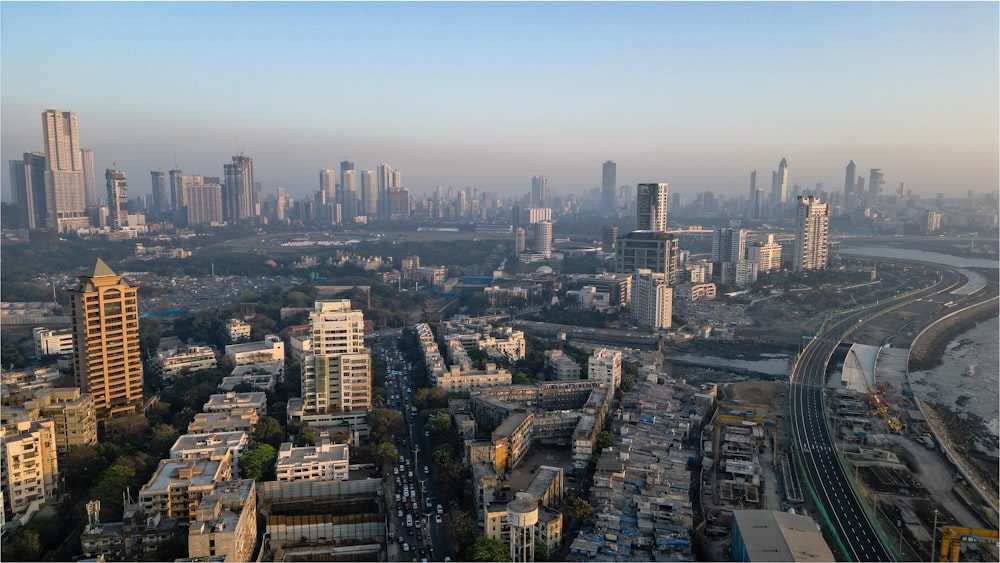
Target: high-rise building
(388, 180)
(850, 198)
(399, 203)
(204, 204)
(27, 179)
(812, 228)
(539, 191)
(728, 250)
(369, 194)
(651, 207)
(543, 238)
(875, 182)
(106, 360)
(89, 180)
(178, 198)
(117, 199)
(758, 204)
(753, 184)
(652, 250)
(349, 183)
(161, 201)
(328, 184)
(238, 193)
(64, 172)
(609, 238)
(336, 375)
(652, 299)
(779, 184)
(609, 177)
(605, 366)
(30, 464)
(767, 255)
(519, 240)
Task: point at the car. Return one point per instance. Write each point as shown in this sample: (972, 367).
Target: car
(427, 470)
(437, 518)
(395, 471)
(440, 509)
(419, 537)
(406, 546)
(406, 505)
(399, 513)
(429, 503)
(409, 474)
(399, 539)
(398, 497)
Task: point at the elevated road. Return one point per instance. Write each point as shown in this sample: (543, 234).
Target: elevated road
(857, 537)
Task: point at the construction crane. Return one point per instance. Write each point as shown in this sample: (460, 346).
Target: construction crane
(876, 401)
(952, 538)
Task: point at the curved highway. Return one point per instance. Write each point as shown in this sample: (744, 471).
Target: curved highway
(857, 537)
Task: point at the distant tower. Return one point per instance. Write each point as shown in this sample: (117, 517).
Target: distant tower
(850, 198)
(161, 201)
(89, 180)
(779, 184)
(64, 183)
(651, 207)
(539, 191)
(117, 199)
(609, 177)
(753, 184)
(609, 238)
(238, 194)
(543, 238)
(812, 230)
(519, 240)
(106, 360)
(349, 182)
(369, 194)
(522, 515)
(875, 182)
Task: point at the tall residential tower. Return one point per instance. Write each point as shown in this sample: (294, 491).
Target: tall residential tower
(812, 230)
(651, 207)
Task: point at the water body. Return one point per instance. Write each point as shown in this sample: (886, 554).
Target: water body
(775, 365)
(919, 255)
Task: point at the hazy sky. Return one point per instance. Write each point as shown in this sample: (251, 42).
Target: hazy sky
(490, 94)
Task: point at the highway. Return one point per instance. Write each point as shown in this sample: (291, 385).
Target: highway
(857, 536)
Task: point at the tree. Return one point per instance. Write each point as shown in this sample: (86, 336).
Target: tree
(386, 454)
(579, 509)
(431, 398)
(487, 549)
(628, 382)
(163, 437)
(305, 438)
(541, 551)
(384, 423)
(25, 545)
(438, 424)
(258, 463)
(268, 431)
(109, 488)
(604, 439)
(463, 528)
(127, 430)
(443, 455)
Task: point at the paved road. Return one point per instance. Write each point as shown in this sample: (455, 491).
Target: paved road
(860, 540)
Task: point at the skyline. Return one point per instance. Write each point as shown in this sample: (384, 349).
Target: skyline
(492, 94)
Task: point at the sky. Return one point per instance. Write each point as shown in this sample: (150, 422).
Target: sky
(696, 94)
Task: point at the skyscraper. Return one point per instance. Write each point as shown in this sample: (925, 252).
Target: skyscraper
(369, 194)
(779, 184)
(728, 249)
(117, 199)
(204, 204)
(64, 172)
(539, 191)
(336, 375)
(178, 199)
(27, 178)
(753, 184)
(161, 201)
(519, 240)
(106, 360)
(609, 177)
(543, 238)
(388, 179)
(651, 207)
(89, 180)
(328, 184)
(349, 182)
(652, 250)
(238, 193)
(850, 198)
(812, 228)
(609, 238)
(875, 182)
(652, 299)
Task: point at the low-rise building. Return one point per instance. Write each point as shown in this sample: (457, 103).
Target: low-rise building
(605, 366)
(174, 361)
(271, 349)
(214, 446)
(237, 330)
(324, 462)
(238, 419)
(177, 486)
(138, 537)
(455, 379)
(563, 367)
(52, 341)
(225, 522)
(71, 411)
(226, 402)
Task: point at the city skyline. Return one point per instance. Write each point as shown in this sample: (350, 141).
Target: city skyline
(696, 95)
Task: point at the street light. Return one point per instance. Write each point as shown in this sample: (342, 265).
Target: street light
(933, 534)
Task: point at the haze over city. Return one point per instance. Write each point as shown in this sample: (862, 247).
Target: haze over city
(490, 94)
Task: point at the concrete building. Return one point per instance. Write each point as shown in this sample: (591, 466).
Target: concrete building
(563, 367)
(271, 349)
(336, 376)
(456, 379)
(174, 361)
(609, 238)
(652, 298)
(651, 250)
(228, 402)
(117, 199)
(204, 204)
(543, 238)
(325, 461)
(225, 522)
(177, 486)
(71, 412)
(770, 535)
(30, 465)
(211, 445)
(237, 330)
(52, 342)
(812, 229)
(651, 207)
(618, 287)
(728, 249)
(605, 366)
(64, 190)
(138, 537)
(106, 359)
(767, 254)
(242, 419)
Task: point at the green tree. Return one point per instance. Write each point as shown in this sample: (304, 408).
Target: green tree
(109, 488)
(438, 424)
(163, 437)
(268, 431)
(25, 545)
(431, 398)
(628, 382)
(386, 454)
(604, 439)
(384, 423)
(258, 463)
(12, 356)
(127, 430)
(579, 509)
(487, 549)
(463, 528)
(81, 465)
(541, 552)
(305, 438)
(443, 455)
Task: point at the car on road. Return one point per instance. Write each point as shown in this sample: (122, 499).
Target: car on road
(427, 470)
(406, 546)
(440, 509)
(437, 518)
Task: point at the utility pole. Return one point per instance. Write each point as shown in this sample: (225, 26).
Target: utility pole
(933, 534)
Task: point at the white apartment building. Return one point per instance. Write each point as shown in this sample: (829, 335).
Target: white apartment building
(563, 367)
(336, 375)
(30, 467)
(324, 462)
(239, 419)
(271, 349)
(227, 402)
(174, 361)
(767, 254)
(225, 523)
(455, 379)
(238, 330)
(177, 486)
(606, 366)
(812, 229)
(213, 445)
(52, 342)
(652, 300)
